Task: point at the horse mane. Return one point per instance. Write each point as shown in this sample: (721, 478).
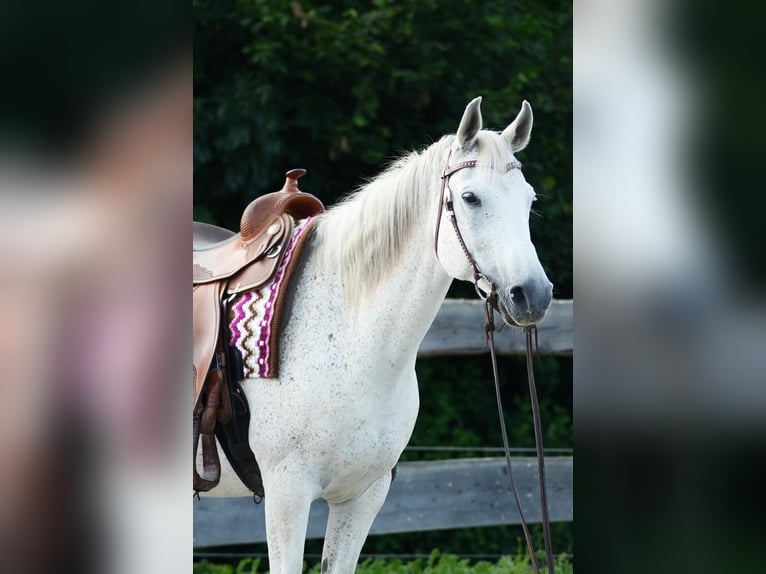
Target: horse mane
(361, 237)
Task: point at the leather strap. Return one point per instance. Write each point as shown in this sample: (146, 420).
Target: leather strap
(204, 431)
(539, 446)
(489, 330)
(446, 199)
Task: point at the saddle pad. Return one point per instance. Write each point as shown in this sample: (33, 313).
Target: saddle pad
(255, 318)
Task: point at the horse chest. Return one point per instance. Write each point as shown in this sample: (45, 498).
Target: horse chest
(364, 406)
(348, 428)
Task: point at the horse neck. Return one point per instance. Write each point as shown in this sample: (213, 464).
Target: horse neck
(403, 300)
(413, 294)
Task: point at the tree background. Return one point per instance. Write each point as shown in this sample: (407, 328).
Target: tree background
(341, 88)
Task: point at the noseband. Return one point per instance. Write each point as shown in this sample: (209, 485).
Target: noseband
(490, 304)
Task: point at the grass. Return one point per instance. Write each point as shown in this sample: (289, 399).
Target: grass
(436, 563)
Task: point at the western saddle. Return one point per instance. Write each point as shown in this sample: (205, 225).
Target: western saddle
(226, 263)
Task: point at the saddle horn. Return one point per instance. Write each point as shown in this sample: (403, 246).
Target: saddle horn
(291, 200)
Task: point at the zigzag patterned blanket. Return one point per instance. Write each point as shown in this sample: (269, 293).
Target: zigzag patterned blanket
(255, 318)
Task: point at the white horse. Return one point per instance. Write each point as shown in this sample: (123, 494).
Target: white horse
(335, 422)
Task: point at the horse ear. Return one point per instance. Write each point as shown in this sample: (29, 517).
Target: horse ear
(518, 132)
(470, 125)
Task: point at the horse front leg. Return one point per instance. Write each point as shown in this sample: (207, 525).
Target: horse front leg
(288, 501)
(347, 526)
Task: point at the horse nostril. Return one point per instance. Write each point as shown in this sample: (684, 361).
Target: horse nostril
(518, 295)
(528, 301)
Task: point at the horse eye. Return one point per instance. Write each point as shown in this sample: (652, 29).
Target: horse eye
(470, 198)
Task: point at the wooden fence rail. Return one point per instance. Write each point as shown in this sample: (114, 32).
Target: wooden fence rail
(442, 494)
(425, 496)
(459, 330)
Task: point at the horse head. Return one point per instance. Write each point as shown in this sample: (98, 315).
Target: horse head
(485, 192)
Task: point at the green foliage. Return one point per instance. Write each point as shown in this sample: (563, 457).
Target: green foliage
(341, 87)
(436, 563)
(485, 540)
(246, 566)
(458, 405)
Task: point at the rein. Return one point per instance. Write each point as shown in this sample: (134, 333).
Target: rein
(490, 302)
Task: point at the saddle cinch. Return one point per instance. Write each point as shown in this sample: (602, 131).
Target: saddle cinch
(225, 264)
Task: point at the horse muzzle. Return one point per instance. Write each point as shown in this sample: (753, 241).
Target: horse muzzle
(525, 304)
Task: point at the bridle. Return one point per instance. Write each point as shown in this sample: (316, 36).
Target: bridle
(446, 200)
(490, 304)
